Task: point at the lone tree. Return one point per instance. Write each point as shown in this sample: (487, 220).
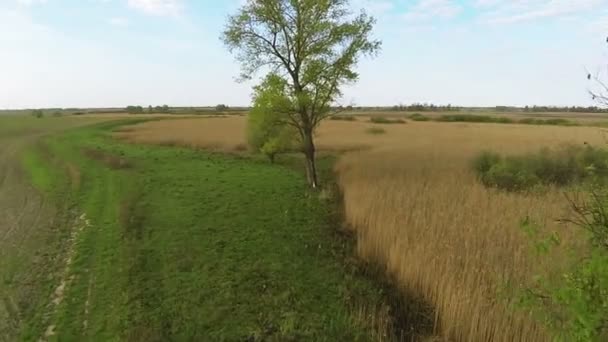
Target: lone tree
(313, 45)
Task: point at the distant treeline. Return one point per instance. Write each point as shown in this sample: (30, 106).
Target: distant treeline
(165, 109)
(425, 107)
(573, 109)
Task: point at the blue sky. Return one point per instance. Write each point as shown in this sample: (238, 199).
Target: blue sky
(104, 53)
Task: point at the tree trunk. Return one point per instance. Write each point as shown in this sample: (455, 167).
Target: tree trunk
(309, 152)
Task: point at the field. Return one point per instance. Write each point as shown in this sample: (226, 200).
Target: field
(152, 229)
(419, 211)
(158, 243)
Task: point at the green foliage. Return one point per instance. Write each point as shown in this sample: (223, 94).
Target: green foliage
(268, 131)
(343, 117)
(503, 120)
(569, 165)
(419, 117)
(473, 118)
(551, 122)
(383, 120)
(221, 108)
(375, 130)
(135, 109)
(37, 113)
(575, 307)
(312, 45)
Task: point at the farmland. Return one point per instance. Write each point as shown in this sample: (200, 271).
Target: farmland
(418, 210)
(151, 229)
(161, 243)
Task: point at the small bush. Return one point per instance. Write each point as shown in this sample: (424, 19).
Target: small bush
(375, 130)
(383, 120)
(343, 118)
(419, 117)
(484, 162)
(37, 113)
(572, 164)
(575, 306)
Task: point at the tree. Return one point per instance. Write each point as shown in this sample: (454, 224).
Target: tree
(312, 45)
(267, 131)
(135, 109)
(221, 108)
(600, 92)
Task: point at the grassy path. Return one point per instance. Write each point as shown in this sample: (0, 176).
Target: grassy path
(187, 245)
(30, 226)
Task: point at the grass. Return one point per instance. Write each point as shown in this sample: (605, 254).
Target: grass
(420, 213)
(180, 247)
(383, 120)
(375, 130)
(33, 230)
(343, 118)
(504, 120)
(419, 117)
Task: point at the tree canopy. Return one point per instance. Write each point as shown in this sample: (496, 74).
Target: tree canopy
(312, 45)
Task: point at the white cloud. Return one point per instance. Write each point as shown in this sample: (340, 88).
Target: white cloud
(118, 21)
(31, 2)
(158, 7)
(428, 9)
(515, 11)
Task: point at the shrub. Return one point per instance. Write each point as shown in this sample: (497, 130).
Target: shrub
(375, 130)
(575, 307)
(383, 120)
(37, 113)
(267, 131)
(343, 118)
(474, 118)
(552, 122)
(562, 167)
(484, 162)
(419, 117)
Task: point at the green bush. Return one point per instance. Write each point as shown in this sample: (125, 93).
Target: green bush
(474, 118)
(575, 306)
(551, 122)
(485, 160)
(419, 117)
(37, 113)
(383, 120)
(343, 118)
(569, 165)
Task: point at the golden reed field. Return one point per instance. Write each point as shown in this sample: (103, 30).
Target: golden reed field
(418, 211)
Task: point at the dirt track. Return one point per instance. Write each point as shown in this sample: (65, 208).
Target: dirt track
(29, 228)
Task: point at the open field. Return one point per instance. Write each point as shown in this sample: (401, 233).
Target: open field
(159, 243)
(418, 209)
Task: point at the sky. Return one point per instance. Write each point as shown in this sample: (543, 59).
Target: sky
(114, 53)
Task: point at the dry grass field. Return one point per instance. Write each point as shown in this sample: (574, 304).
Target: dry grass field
(419, 211)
